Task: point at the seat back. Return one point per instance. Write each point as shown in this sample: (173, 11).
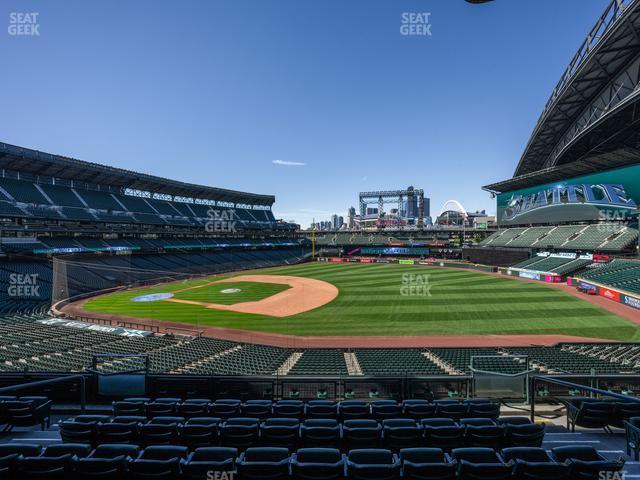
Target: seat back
(266, 454)
(214, 454)
(371, 456)
(422, 455)
(161, 452)
(107, 450)
(318, 455)
(77, 449)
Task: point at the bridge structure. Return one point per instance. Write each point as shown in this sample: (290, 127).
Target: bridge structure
(399, 198)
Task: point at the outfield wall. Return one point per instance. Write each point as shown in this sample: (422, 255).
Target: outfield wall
(547, 277)
(408, 261)
(610, 293)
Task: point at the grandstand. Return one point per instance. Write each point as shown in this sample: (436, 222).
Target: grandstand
(57, 346)
(601, 237)
(622, 274)
(122, 227)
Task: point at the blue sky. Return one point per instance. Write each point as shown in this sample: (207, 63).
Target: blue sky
(215, 91)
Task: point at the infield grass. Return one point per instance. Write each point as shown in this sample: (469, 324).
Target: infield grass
(223, 294)
(372, 301)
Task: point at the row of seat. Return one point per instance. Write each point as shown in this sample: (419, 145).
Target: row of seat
(347, 409)
(244, 432)
(595, 413)
(113, 461)
(24, 411)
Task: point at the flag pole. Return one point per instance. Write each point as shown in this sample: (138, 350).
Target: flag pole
(313, 238)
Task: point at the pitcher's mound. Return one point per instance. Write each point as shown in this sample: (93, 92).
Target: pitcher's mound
(305, 294)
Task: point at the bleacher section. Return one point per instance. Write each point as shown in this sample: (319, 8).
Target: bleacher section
(26, 199)
(376, 238)
(627, 355)
(101, 272)
(55, 348)
(620, 274)
(560, 265)
(601, 237)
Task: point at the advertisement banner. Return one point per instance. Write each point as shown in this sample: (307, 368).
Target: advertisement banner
(631, 301)
(406, 262)
(604, 196)
(587, 286)
(531, 275)
(610, 294)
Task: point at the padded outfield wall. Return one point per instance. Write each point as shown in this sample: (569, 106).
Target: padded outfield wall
(607, 196)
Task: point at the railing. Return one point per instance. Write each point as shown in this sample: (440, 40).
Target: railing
(535, 380)
(39, 383)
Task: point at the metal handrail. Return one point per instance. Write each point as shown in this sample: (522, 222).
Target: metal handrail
(534, 379)
(24, 386)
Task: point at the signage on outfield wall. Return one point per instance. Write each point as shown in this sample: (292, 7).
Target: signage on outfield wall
(531, 275)
(610, 294)
(587, 286)
(606, 196)
(407, 262)
(631, 301)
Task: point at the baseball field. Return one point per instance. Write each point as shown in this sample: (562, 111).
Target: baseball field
(320, 299)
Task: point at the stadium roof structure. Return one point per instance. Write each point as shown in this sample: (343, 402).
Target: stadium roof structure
(41, 164)
(591, 121)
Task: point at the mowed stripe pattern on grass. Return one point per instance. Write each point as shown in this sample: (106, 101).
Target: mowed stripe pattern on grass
(372, 301)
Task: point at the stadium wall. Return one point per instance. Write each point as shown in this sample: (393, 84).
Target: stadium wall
(610, 293)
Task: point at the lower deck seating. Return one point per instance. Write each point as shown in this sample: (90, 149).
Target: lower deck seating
(80, 461)
(622, 274)
(27, 344)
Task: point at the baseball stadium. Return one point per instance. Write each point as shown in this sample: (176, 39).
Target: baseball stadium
(155, 328)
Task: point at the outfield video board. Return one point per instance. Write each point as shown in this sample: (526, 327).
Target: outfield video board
(612, 196)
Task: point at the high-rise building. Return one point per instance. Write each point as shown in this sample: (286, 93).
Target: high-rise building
(352, 218)
(334, 222)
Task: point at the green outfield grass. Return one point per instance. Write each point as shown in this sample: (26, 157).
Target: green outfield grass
(372, 301)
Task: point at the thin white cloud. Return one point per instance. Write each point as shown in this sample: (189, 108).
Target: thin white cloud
(287, 163)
